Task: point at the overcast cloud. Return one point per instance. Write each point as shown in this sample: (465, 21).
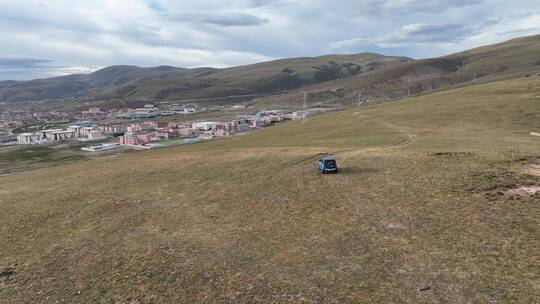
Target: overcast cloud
(44, 38)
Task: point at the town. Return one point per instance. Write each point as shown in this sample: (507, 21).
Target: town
(152, 134)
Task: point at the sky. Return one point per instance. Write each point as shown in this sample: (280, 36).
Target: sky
(40, 38)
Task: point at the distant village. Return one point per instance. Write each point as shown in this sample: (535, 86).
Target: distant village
(151, 134)
(13, 116)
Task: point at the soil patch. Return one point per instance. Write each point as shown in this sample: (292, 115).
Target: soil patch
(452, 154)
(532, 168)
(5, 274)
(523, 191)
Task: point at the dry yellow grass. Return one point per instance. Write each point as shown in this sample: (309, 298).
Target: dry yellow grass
(413, 217)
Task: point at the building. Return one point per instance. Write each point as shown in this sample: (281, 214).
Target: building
(138, 139)
(62, 135)
(299, 115)
(48, 134)
(112, 129)
(243, 127)
(222, 129)
(189, 110)
(27, 138)
(184, 132)
(238, 107)
(45, 136)
(128, 139)
(258, 123)
(95, 135)
(93, 111)
(160, 135)
(85, 131)
(75, 129)
(204, 126)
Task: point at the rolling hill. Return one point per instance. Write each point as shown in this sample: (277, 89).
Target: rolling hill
(372, 76)
(165, 82)
(509, 60)
(419, 213)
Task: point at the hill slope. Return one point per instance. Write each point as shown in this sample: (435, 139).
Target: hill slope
(416, 214)
(130, 82)
(371, 76)
(509, 60)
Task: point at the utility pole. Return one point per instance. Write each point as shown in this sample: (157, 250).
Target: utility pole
(408, 86)
(305, 108)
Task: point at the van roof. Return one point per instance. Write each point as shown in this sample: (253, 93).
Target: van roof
(328, 158)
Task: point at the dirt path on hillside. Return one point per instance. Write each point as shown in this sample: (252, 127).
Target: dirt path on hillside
(410, 138)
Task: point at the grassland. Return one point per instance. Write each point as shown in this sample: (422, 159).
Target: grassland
(415, 216)
(14, 159)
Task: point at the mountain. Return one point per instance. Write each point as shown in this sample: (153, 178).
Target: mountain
(511, 59)
(365, 76)
(165, 82)
(508, 60)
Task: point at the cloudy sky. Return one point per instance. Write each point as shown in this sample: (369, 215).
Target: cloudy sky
(44, 38)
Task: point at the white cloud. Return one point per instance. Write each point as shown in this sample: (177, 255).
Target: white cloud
(224, 33)
(73, 70)
(413, 6)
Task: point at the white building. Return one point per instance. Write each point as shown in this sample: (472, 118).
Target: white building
(75, 129)
(299, 115)
(63, 135)
(204, 126)
(95, 135)
(189, 110)
(27, 138)
(48, 134)
(238, 107)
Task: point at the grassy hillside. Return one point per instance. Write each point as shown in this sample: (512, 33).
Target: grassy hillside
(365, 76)
(509, 60)
(135, 83)
(417, 214)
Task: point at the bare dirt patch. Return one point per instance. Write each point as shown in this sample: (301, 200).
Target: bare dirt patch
(532, 168)
(452, 154)
(5, 274)
(523, 191)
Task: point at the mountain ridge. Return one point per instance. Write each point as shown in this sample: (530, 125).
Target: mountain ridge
(516, 58)
(127, 81)
(371, 75)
